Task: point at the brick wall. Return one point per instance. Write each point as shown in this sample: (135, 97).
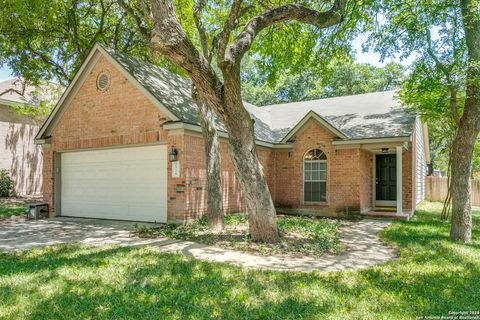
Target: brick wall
(344, 175)
(407, 164)
(366, 179)
(124, 116)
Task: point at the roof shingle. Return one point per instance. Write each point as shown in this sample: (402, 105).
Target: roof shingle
(371, 115)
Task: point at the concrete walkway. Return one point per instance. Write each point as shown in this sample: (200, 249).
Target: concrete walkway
(364, 248)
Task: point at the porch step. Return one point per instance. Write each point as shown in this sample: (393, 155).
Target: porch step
(406, 215)
(385, 209)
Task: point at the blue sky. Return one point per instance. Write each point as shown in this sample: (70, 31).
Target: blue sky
(5, 73)
(362, 57)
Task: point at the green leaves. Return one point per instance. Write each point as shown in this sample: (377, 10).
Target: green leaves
(338, 78)
(48, 40)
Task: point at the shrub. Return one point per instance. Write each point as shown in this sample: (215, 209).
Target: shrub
(6, 183)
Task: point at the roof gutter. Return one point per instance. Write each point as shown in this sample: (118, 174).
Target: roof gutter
(44, 141)
(223, 134)
(7, 102)
(372, 140)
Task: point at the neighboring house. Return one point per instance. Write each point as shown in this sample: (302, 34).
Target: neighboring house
(18, 152)
(110, 141)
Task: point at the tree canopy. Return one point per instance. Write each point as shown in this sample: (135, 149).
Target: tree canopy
(48, 40)
(339, 78)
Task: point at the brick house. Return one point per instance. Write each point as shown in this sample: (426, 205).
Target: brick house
(124, 142)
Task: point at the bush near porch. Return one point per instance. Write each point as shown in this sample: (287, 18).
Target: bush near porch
(432, 277)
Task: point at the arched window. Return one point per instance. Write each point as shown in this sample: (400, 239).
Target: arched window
(315, 176)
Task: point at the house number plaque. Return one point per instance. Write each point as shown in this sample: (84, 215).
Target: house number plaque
(175, 169)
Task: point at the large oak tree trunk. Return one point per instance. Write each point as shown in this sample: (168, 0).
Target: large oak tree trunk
(261, 211)
(462, 154)
(243, 152)
(213, 166)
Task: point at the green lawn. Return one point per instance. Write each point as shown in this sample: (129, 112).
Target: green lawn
(432, 277)
(8, 211)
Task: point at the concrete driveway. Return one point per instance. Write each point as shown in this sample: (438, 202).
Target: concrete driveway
(22, 235)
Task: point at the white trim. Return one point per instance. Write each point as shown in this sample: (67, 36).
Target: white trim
(196, 128)
(373, 140)
(426, 142)
(386, 203)
(43, 141)
(115, 146)
(326, 180)
(10, 103)
(79, 79)
(313, 115)
(399, 180)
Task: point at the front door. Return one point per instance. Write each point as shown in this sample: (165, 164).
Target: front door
(386, 179)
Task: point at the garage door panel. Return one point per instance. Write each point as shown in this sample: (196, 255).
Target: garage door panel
(124, 183)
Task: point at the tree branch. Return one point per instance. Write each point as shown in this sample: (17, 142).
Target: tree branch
(453, 105)
(448, 75)
(138, 20)
(197, 10)
(229, 25)
(434, 57)
(236, 50)
(169, 38)
(59, 69)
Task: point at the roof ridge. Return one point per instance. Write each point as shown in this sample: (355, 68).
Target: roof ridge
(326, 99)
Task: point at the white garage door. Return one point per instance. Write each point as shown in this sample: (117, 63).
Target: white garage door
(123, 183)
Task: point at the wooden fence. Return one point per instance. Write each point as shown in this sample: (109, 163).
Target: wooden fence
(436, 189)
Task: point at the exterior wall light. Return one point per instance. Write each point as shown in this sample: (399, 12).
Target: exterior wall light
(384, 150)
(173, 154)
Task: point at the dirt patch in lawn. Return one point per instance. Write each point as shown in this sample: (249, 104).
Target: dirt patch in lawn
(300, 236)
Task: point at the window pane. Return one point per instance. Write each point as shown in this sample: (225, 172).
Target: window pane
(315, 176)
(323, 175)
(323, 191)
(308, 175)
(308, 191)
(315, 191)
(309, 155)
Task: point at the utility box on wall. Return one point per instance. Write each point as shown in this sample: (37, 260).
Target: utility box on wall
(38, 211)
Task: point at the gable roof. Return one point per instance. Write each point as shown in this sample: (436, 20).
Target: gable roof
(315, 116)
(17, 91)
(363, 116)
(366, 116)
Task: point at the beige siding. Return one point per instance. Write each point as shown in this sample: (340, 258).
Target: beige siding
(18, 153)
(420, 163)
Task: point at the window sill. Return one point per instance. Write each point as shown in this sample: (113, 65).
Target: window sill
(315, 203)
